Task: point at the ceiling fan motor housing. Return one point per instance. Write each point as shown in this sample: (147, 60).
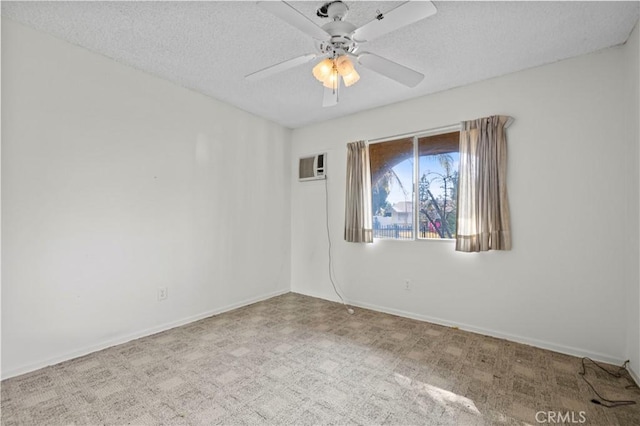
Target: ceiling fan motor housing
(340, 41)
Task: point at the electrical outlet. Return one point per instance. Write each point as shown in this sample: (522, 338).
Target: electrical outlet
(407, 285)
(163, 293)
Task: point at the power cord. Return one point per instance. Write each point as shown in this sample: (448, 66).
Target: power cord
(617, 374)
(335, 288)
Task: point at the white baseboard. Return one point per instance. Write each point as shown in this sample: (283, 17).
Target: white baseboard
(488, 332)
(149, 331)
(136, 335)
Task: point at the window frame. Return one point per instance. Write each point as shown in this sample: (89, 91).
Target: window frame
(416, 176)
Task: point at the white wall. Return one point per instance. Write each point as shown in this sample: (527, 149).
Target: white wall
(632, 53)
(562, 286)
(116, 183)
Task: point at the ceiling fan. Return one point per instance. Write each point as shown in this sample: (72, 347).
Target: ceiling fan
(338, 42)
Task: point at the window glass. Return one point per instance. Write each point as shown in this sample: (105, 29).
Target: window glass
(438, 185)
(395, 205)
(392, 195)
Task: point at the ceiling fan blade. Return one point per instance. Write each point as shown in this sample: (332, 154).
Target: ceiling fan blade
(330, 97)
(287, 13)
(390, 69)
(405, 14)
(282, 66)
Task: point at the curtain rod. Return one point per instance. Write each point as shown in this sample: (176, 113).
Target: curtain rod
(427, 132)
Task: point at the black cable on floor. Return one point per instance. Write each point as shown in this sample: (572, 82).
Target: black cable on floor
(609, 403)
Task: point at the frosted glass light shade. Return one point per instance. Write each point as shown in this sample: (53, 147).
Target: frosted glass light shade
(323, 70)
(344, 65)
(331, 82)
(351, 78)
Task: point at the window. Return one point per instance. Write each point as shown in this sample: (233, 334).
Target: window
(414, 184)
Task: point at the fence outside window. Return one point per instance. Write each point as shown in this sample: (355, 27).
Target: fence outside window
(403, 232)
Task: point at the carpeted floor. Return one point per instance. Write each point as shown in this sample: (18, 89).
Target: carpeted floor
(296, 360)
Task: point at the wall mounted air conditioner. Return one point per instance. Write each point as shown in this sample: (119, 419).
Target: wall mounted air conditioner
(312, 168)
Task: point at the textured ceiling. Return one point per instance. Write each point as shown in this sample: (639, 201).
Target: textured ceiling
(210, 46)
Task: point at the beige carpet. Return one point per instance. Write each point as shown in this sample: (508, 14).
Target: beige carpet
(298, 360)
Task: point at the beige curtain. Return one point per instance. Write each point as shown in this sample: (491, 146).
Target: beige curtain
(357, 217)
(483, 207)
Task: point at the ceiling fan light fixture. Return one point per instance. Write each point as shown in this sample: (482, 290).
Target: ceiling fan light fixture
(344, 65)
(331, 82)
(329, 71)
(323, 70)
(351, 78)
(347, 70)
